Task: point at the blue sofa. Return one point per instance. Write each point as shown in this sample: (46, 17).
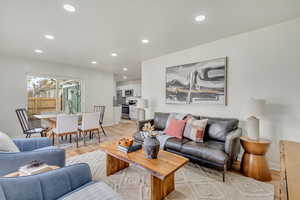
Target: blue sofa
(31, 149)
(71, 182)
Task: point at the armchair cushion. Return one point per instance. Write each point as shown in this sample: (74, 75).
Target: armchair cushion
(7, 144)
(92, 191)
(46, 186)
(31, 149)
(30, 144)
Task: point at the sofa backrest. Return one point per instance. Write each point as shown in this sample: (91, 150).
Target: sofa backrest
(217, 128)
(46, 186)
(160, 120)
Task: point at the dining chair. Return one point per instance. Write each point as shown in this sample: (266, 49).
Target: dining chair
(89, 124)
(66, 125)
(101, 110)
(27, 127)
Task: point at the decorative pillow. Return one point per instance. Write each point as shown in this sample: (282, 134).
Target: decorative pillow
(175, 128)
(195, 129)
(6, 144)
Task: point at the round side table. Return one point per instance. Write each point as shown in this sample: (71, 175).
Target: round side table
(254, 163)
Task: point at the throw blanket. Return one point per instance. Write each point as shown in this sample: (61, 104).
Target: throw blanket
(162, 137)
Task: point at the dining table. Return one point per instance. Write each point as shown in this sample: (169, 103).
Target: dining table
(51, 118)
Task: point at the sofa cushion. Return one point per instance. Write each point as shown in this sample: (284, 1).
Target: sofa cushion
(219, 128)
(93, 191)
(160, 120)
(175, 143)
(209, 151)
(7, 144)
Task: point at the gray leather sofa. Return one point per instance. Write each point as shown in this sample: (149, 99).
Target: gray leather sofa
(221, 144)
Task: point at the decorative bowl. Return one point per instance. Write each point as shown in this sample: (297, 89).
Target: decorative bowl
(126, 142)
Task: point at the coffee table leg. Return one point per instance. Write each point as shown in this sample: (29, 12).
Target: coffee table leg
(161, 188)
(114, 165)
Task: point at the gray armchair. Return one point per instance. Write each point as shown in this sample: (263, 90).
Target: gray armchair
(31, 149)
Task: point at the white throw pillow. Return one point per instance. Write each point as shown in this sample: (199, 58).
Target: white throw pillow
(6, 144)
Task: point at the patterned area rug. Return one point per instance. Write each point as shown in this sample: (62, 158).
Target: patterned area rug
(192, 182)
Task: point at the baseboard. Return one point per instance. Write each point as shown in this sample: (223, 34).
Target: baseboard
(108, 124)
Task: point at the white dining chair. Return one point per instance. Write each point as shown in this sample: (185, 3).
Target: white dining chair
(66, 125)
(89, 124)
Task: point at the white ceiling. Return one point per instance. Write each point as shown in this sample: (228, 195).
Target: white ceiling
(100, 27)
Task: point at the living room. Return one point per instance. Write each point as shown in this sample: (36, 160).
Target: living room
(216, 117)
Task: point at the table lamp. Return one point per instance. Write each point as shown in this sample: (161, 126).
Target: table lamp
(141, 105)
(255, 111)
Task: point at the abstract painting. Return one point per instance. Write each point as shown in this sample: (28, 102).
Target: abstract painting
(197, 82)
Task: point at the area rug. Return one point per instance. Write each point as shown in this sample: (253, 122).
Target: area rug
(192, 182)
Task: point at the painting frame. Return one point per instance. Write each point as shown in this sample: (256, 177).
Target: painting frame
(221, 95)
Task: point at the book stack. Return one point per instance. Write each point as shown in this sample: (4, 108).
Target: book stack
(29, 170)
(134, 147)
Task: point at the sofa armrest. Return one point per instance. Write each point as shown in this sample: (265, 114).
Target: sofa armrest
(48, 185)
(30, 144)
(11, 162)
(232, 144)
(140, 124)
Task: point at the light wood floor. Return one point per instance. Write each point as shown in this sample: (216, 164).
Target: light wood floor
(127, 128)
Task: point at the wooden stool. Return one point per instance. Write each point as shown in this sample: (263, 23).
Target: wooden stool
(254, 163)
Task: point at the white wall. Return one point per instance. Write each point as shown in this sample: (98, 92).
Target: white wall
(261, 64)
(98, 88)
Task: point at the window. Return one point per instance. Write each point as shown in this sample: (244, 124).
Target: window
(53, 95)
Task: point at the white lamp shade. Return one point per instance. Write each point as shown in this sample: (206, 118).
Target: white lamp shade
(142, 103)
(256, 107)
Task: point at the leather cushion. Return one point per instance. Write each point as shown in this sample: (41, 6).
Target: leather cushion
(175, 143)
(160, 120)
(219, 128)
(138, 137)
(207, 151)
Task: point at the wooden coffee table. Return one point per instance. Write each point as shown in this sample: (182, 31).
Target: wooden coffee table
(161, 170)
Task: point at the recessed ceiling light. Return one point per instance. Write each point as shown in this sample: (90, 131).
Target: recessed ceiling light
(125, 69)
(49, 37)
(38, 51)
(200, 18)
(145, 41)
(124, 77)
(94, 62)
(69, 8)
(114, 54)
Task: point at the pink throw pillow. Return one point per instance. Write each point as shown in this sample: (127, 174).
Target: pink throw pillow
(175, 128)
